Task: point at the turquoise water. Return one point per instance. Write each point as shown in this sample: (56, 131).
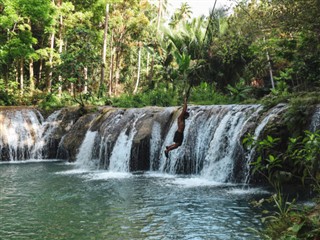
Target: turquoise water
(53, 200)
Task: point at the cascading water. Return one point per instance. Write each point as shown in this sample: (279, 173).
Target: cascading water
(84, 157)
(19, 132)
(40, 148)
(315, 120)
(155, 142)
(123, 140)
(220, 157)
(120, 157)
(212, 136)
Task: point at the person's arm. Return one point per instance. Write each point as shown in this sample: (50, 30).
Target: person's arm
(184, 109)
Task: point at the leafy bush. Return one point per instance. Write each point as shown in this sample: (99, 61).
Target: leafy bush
(157, 97)
(300, 109)
(300, 159)
(6, 99)
(50, 101)
(205, 94)
(303, 156)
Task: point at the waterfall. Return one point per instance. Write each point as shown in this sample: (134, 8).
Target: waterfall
(274, 112)
(49, 125)
(315, 120)
(19, 132)
(121, 153)
(107, 138)
(211, 143)
(84, 157)
(220, 157)
(124, 140)
(155, 142)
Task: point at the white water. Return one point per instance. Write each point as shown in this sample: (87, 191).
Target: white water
(20, 130)
(155, 142)
(211, 149)
(119, 160)
(212, 139)
(45, 131)
(84, 158)
(121, 153)
(219, 160)
(315, 121)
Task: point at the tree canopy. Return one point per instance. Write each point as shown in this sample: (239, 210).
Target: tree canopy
(96, 50)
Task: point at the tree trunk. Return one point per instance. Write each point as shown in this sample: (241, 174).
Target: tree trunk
(139, 69)
(60, 46)
(117, 71)
(104, 49)
(21, 76)
(31, 71)
(40, 70)
(111, 75)
(49, 74)
(49, 71)
(270, 66)
(159, 15)
(6, 77)
(85, 90)
(111, 65)
(270, 70)
(16, 70)
(31, 75)
(150, 76)
(147, 67)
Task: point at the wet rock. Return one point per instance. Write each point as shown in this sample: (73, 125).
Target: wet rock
(71, 141)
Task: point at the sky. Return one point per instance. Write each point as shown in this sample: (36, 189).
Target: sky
(199, 7)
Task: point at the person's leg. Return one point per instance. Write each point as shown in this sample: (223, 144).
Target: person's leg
(171, 147)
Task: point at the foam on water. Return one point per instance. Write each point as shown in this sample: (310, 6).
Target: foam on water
(248, 191)
(196, 182)
(31, 161)
(105, 175)
(160, 175)
(73, 172)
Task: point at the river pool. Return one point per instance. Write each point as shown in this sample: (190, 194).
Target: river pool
(55, 200)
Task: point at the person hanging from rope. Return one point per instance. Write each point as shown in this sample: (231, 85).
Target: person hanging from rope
(178, 136)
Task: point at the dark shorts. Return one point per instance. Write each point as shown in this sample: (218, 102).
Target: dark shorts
(178, 137)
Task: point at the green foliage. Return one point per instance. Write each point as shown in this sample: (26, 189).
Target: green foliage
(291, 221)
(240, 92)
(223, 51)
(205, 94)
(301, 161)
(281, 89)
(304, 152)
(7, 98)
(299, 111)
(50, 101)
(268, 162)
(157, 97)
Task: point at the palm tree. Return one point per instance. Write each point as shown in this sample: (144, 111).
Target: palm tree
(185, 11)
(162, 8)
(186, 46)
(181, 15)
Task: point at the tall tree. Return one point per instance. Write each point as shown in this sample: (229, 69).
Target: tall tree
(104, 49)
